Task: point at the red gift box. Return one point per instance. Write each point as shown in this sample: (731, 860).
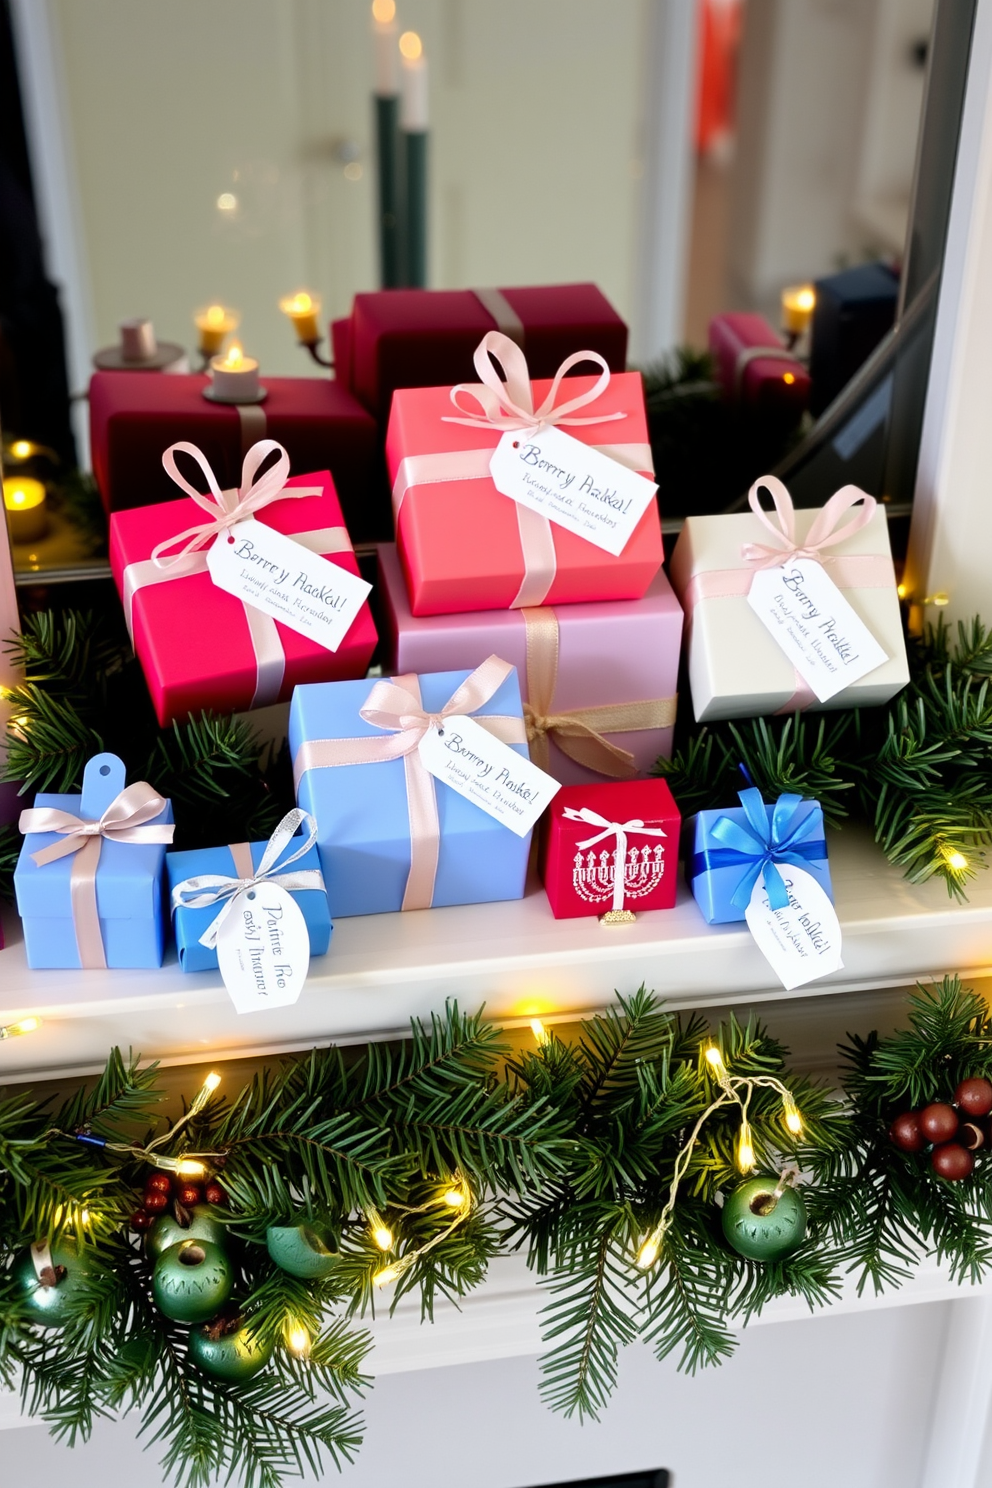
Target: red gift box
(754, 368)
(199, 647)
(588, 828)
(135, 416)
(407, 338)
(462, 542)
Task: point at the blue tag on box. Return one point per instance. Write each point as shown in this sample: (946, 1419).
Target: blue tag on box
(363, 811)
(190, 923)
(731, 848)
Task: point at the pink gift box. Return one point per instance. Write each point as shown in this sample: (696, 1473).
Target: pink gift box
(460, 539)
(193, 640)
(623, 653)
(580, 871)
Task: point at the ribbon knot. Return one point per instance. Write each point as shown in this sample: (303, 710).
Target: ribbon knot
(507, 403)
(762, 845)
(617, 830)
(823, 534)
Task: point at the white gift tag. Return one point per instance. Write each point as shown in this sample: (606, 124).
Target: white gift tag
(802, 941)
(280, 577)
(571, 484)
(487, 772)
(263, 949)
(804, 611)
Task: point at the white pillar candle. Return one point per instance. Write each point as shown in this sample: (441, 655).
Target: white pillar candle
(414, 116)
(384, 41)
(234, 377)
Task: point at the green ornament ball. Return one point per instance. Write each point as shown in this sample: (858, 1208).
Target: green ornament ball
(51, 1305)
(192, 1281)
(167, 1232)
(233, 1357)
(761, 1227)
(301, 1250)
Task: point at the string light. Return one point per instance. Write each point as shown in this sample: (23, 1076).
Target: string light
(793, 1120)
(539, 1031)
(298, 1340)
(204, 1093)
(715, 1058)
(16, 1030)
(745, 1148)
(455, 1198)
(648, 1253)
(185, 1167)
(386, 1275)
(957, 861)
(382, 1235)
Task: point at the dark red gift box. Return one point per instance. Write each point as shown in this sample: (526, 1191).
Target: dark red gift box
(580, 851)
(403, 338)
(134, 416)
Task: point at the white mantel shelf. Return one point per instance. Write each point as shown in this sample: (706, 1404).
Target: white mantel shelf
(514, 957)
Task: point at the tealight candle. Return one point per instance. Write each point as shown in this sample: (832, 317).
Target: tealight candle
(213, 324)
(24, 503)
(798, 304)
(234, 377)
(303, 310)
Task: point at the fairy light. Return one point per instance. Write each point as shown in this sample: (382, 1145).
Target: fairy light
(204, 1093)
(715, 1059)
(455, 1198)
(298, 1340)
(648, 1253)
(17, 1030)
(957, 861)
(539, 1031)
(793, 1120)
(385, 1276)
(745, 1148)
(382, 1235)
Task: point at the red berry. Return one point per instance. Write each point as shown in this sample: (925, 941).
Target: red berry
(974, 1096)
(156, 1202)
(214, 1194)
(141, 1220)
(159, 1183)
(905, 1133)
(188, 1194)
(971, 1135)
(952, 1161)
(938, 1122)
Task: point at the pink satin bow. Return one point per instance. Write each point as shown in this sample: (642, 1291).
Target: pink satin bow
(509, 404)
(824, 532)
(123, 821)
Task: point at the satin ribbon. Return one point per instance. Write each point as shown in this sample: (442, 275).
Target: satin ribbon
(508, 322)
(225, 509)
(123, 821)
(760, 846)
(617, 830)
(215, 888)
(507, 406)
(578, 732)
(396, 707)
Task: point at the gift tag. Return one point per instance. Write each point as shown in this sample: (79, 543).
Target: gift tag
(572, 484)
(802, 941)
(487, 772)
(283, 579)
(804, 611)
(263, 948)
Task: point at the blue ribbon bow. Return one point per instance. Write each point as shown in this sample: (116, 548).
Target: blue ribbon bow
(761, 845)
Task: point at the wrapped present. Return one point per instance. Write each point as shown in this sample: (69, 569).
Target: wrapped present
(89, 876)
(611, 850)
(731, 849)
(205, 883)
(755, 370)
(390, 836)
(736, 667)
(598, 680)
(407, 338)
(133, 418)
(199, 646)
(463, 544)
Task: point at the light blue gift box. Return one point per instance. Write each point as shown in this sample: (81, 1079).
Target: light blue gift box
(189, 924)
(129, 879)
(363, 826)
(725, 861)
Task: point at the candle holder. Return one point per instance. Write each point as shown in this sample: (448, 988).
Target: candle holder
(303, 309)
(213, 324)
(139, 350)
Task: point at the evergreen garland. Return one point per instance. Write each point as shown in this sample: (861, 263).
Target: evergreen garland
(566, 1151)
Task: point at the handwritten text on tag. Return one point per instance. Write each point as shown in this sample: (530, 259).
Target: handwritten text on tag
(487, 772)
(802, 941)
(263, 949)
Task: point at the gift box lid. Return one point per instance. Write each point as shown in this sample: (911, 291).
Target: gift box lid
(618, 800)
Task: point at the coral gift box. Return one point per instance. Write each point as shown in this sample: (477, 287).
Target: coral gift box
(612, 848)
(465, 546)
(199, 647)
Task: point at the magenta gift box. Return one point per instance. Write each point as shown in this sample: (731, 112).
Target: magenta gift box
(608, 654)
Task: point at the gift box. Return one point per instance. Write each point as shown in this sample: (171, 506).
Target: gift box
(465, 546)
(755, 370)
(598, 680)
(238, 863)
(736, 668)
(611, 849)
(390, 836)
(94, 899)
(200, 647)
(133, 418)
(406, 338)
(729, 850)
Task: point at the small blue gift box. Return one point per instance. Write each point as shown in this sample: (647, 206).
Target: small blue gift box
(128, 877)
(190, 923)
(363, 812)
(731, 849)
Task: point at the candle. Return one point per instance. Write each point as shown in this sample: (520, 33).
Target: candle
(387, 87)
(798, 304)
(213, 324)
(234, 377)
(413, 92)
(138, 342)
(24, 503)
(303, 310)
(384, 42)
(413, 135)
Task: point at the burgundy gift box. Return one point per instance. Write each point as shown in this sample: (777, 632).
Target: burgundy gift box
(754, 368)
(595, 833)
(134, 417)
(403, 338)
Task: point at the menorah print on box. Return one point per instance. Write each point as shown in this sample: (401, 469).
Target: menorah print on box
(594, 873)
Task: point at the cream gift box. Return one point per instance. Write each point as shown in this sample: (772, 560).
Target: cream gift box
(736, 669)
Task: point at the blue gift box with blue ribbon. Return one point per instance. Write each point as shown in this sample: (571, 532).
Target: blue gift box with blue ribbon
(732, 848)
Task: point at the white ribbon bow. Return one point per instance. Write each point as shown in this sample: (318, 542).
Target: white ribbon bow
(211, 888)
(619, 831)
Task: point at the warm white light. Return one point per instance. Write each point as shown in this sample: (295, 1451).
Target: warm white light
(715, 1059)
(793, 1120)
(788, 378)
(648, 1253)
(385, 1276)
(411, 46)
(957, 861)
(211, 1082)
(901, 590)
(26, 1025)
(745, 1150)
(383, 1237)
(22, 448)
(539, 1031)
(215, 315)
(455, 1198)
(384, 11)
(234, 360)
(227, 202)
(298, 1340)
